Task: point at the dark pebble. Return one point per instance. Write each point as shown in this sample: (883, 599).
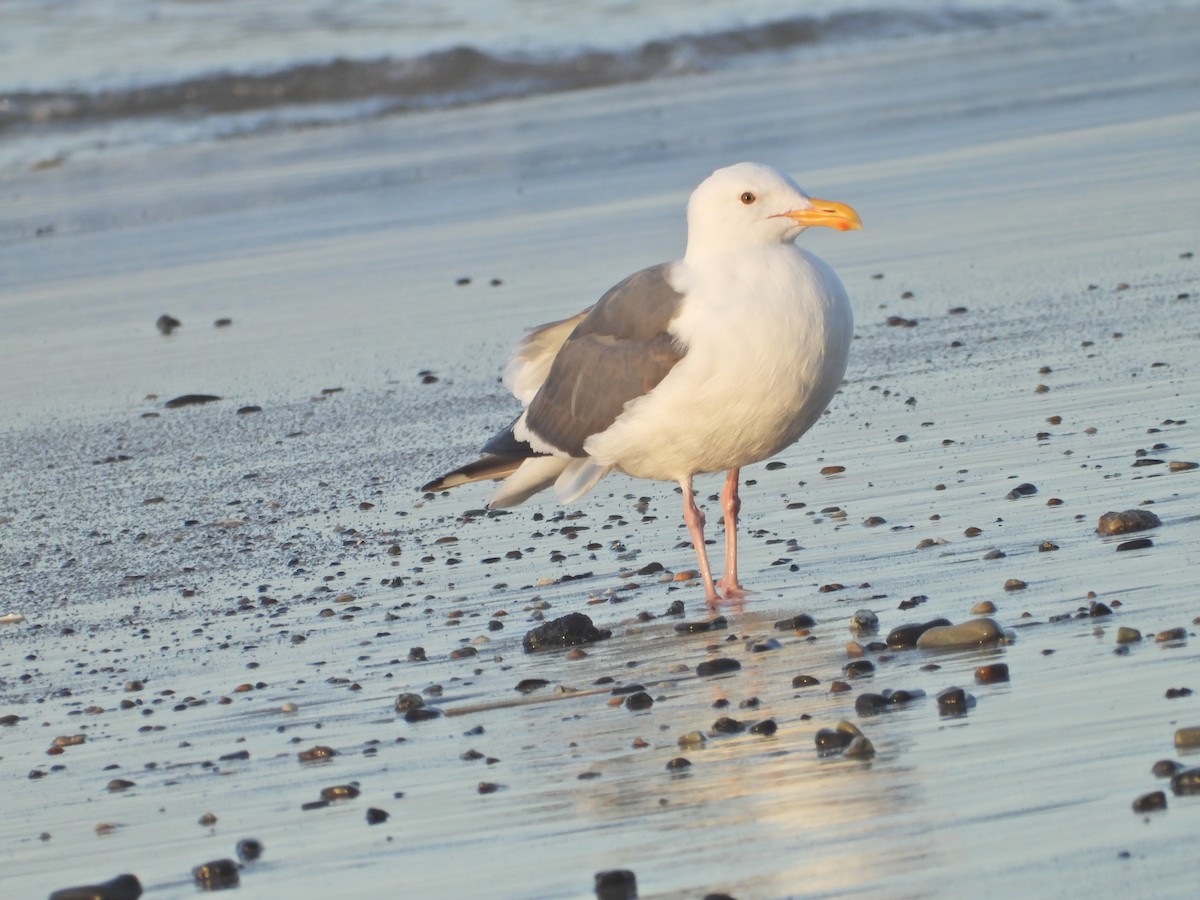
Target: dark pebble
(795, 623)
(830, 741)
(714, 624)
(123, 887)
(626, 689)
(616, 884)
(417, 654)
(1097, 609)
(1165, 768)
(529, 685)
(765, 646)
(1022, 490)
(405, 702)
(904, 636)
(1186, 782)
(215, 875)
(901, 697)
(488, 787)
(1171, 634)
(991, 674)
(249, 849)
(679, 762)
(766, 727)
(566, 631)
(339, 792)
(870, 704)
(314, 754)
(376, 816)
(718, 666)
(804, 681)
(423, 714)
(166, 324)
(954, 701)
(726, 725)
(1127, 521)
(859, 668)
(675, 609)
(191, 400)
(1135, 544)
(639, 701)
(1151, 802)
(1176, 693)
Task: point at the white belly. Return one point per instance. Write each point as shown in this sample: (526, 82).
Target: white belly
(766, 351)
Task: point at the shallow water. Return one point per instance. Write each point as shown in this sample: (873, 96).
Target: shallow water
(336, 255)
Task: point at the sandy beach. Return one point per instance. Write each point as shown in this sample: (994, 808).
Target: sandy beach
(209, 591)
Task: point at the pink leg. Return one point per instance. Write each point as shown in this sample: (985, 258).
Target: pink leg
(695, 523)
(731, 505)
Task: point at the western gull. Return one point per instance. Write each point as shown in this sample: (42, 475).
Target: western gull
(707, 364)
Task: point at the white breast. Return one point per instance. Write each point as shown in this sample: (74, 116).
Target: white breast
(767, 339)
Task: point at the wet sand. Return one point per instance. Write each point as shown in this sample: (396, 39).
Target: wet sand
(1029, 204)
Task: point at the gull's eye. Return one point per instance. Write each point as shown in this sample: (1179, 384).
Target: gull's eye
(748, 198)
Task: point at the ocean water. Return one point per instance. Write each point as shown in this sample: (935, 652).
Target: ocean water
(80, 77)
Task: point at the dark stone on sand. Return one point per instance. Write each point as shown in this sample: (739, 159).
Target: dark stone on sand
(529, 685)
(901, 697)
(339, 792)
(405, 702)
(566, 631)
(726, 725)
(1176, 693)
(904, 636)
(488, 787)
(1135, 544)
(247, 410)
(190, 400)
(376, 816)
(718, 666)
(639, 701)
(859, 668)
(1186, 782)
(1127, 521)
(765, 646)
(650, 568)
(249, 849)
(315, 754)
(1151, 802)
(123, 887)
(796, 623)
(417, 654)
(223, 322)
(870, 704)
(829, 740)
(954, 701)
(991, 674)
(1171, 635)
(675, 609)
(626, 689)
(765, 728)
(1022, 490)
(120, 784)
(679, 762)
(217, 874)
(616, 884)
(714, 624)
(973, 633)
(9, 719)
(1165, 768)
(424, 714)
(1097, 609)
(166, 324)
(805, 681)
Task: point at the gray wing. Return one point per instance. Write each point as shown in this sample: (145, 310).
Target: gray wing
(620, 351)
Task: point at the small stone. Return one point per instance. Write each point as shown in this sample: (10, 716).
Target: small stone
(1176, 693)
(120, 784)
(1015, 584)
(339, 792)
(639, 701)
(839, 687)
(765, 728)
(859, 748)
(859, 668)
(565, 631)
(123, 887)
(1022, 490)
(796, 623)
(1126, 635)
(714, 624)
(417, 654)
(316, 754)
(1151, 802)
(1165, 768)
(191, 400)
(249, 849)
(983, 608)
(216, 875)
(870, 704)
(829, 741)
(488, 787)
(804, 681)
(679, 762)
(954, 701)
(405, 702)
(904, 636)
(207, 820)
(424, 714)
(726, 725)
(1180, 466)
(616, 884)
(1127, 521)
(974, 633)
(529, 685)
(1187, 738)
(1096, 609)
(718, 666)
(1135, 544)
(376, 816)
(1186, 782)
(991, 674)
(864, 622)
(166, 324)
(692, 739)
(1171, 635)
